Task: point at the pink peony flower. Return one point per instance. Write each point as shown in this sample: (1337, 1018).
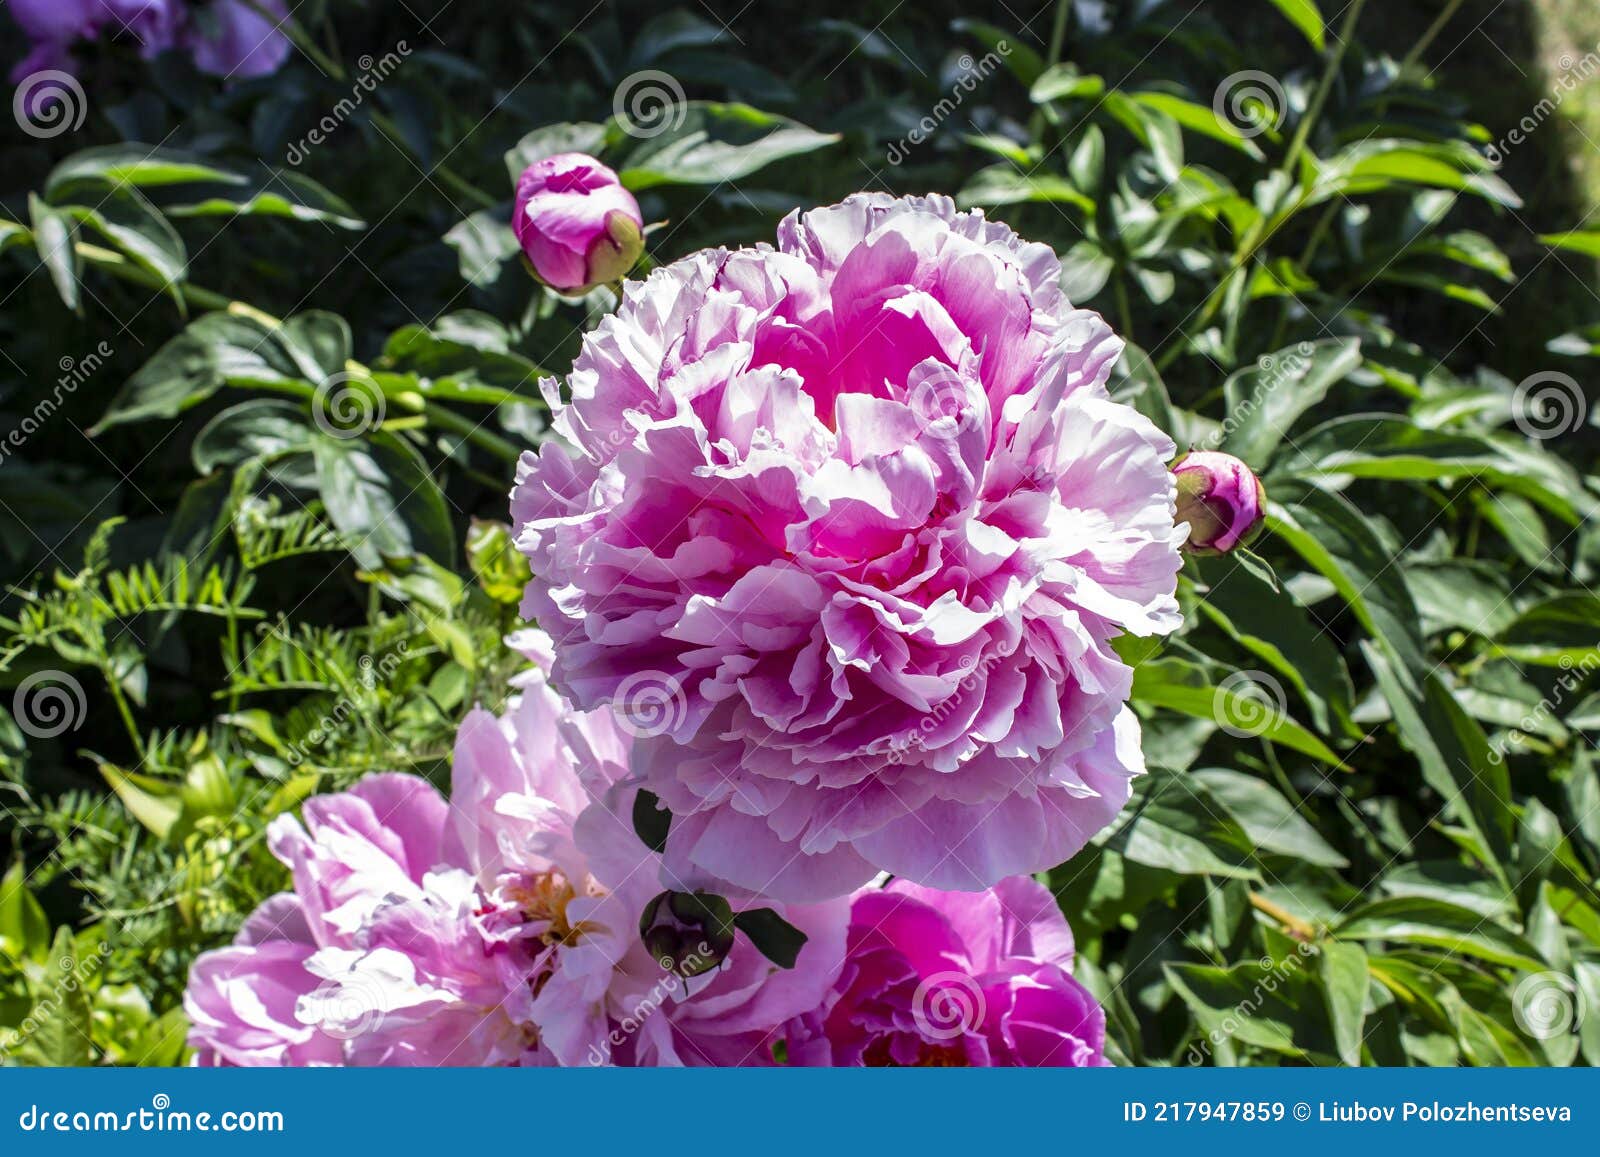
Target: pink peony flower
(954, 979)
(577, 224)
(500, 928)
(1221, 499)
(850, 529)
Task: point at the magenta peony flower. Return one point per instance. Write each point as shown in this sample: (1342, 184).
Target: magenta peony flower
(851, 527)
(500, 928)
(954, 979)
(579, 227)
(1221, 499)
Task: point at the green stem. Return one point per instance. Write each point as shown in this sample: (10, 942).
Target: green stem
(1427, 38)
(1058, 33)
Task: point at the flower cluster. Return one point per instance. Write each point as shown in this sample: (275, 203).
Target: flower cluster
(503, 928)
(498, 928)
(226, 38)
(832, 575)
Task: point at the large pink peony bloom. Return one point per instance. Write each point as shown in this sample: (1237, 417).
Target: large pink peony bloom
(500, 928)
(851, 527)
(955, 979)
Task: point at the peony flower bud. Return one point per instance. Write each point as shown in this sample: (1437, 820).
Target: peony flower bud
(578, 226)
(687, 932)
(1220, 498)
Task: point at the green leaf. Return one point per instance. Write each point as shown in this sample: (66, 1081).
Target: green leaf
(1561, 632)
(1198, 118)
(155, 803)
(1274, 628)
(136, 227)
(1166, 683)
(774, 937)
(651, 821)
(1334, 537)
(216, 350)
(1004, 185)
(1065, 82)
(63, 1020)
(1284, 1016)
(1383, 446)
(705, 143)
(54, 239)
(1342, 969)
(1436, 924)
(484, 243)
(379, 495)
(1586, 242)
(284, 194)
(1452, 750)
(258, 428)
(1172, 825)
(1025, 64)
(1263, 402)
(133, 164)
(24, 930)
(1269, 820)
(1303, 14)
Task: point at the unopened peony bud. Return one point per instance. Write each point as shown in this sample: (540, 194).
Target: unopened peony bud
(578, 226)
(687, 932)
(1221, 500)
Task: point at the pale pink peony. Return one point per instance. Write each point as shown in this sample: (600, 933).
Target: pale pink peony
(954, 979)
(500, 928)
(851, 526)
